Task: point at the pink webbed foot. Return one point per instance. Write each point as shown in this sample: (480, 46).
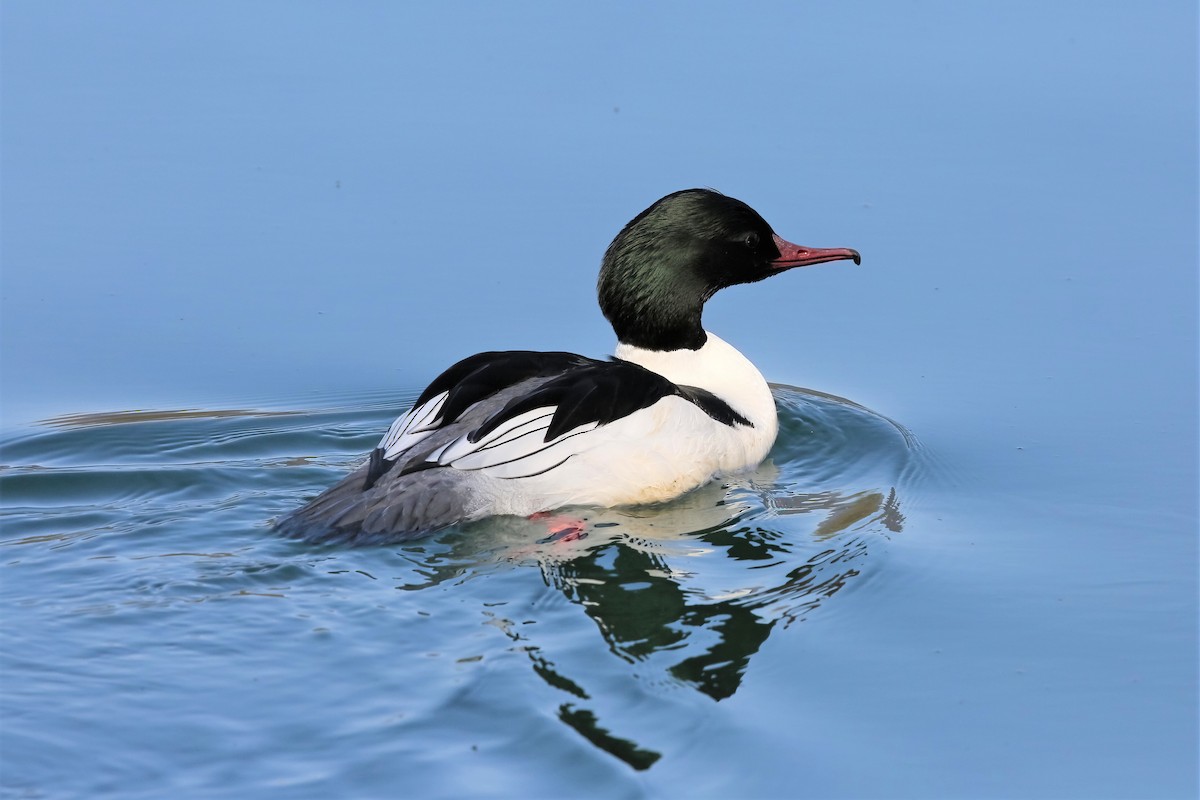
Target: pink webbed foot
(560, 527)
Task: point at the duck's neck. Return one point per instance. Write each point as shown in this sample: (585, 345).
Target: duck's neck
(652, 295)
(716, 366)
(658, 325)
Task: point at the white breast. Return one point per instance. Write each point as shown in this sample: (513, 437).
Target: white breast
(722, 370)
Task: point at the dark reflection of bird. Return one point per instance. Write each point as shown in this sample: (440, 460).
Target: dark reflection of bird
(690, 607)
(658, 595)
(517, 433)
(646, 603)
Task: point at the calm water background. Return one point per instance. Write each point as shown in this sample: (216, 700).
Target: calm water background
(238, 238)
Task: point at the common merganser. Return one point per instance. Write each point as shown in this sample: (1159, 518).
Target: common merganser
(523, 432)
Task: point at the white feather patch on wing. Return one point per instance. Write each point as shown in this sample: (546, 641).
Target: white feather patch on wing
(411, 427)
(516, 448)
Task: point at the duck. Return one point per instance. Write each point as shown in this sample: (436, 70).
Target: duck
(526, 433)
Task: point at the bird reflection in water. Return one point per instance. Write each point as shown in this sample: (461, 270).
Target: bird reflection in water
(694, 606)
(652, 597)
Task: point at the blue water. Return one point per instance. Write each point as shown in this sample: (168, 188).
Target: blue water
(321, 669)
(237, 239)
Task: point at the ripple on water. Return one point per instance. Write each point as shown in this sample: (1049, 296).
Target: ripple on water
(144, 520)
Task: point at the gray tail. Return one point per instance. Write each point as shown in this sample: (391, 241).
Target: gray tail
(384, 510)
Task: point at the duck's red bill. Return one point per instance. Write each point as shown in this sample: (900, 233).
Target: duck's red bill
(795, 255)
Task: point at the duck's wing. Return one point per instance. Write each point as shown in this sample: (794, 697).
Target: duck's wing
(542, 428)
(470, 381)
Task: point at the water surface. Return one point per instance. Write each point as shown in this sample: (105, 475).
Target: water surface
(207, 653)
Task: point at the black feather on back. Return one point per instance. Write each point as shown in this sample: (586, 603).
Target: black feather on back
(603, 392)
(714, 406)
(480, 376)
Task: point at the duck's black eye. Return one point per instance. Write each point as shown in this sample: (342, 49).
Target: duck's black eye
(751, 240)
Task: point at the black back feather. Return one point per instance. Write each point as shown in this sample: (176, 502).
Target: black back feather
(714, 406)
(603, 392)
(480, 376)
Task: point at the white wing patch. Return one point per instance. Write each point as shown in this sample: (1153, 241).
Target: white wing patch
(517, 448)
(411, 427)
